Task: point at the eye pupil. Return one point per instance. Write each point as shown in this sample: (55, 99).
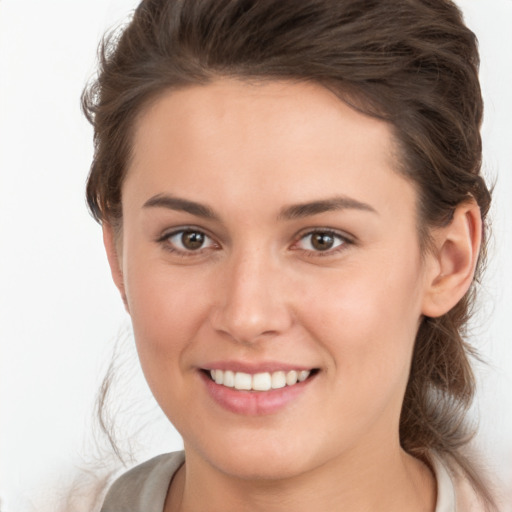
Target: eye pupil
(322, 241)
(192, 240)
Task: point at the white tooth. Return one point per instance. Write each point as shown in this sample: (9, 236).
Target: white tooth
(243, 381)
(303, 375)
(278, 380)
(291, 378)
(261, 382)
(229, 379)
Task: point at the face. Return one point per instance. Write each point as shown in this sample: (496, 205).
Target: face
(268, 236)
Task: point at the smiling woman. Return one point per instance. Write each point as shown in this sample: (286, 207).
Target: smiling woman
(294, 216)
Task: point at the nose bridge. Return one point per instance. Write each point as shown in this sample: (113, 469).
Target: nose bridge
(252, 301)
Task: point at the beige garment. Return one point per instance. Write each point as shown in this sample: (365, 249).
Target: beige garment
(454, 492)
(144, 488)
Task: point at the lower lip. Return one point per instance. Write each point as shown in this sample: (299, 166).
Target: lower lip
(254, 403)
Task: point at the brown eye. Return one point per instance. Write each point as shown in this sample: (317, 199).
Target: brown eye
(192, 240)
(188, 240)
(321, 241)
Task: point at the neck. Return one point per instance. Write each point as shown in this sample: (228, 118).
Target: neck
(381, 482)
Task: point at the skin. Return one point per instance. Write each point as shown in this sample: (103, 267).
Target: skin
(257, 290)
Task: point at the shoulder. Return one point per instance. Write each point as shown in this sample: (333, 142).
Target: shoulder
(144, 487)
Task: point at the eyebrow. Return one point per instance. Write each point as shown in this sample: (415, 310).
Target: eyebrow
(296, 211)
(299, 211)
(179, 204)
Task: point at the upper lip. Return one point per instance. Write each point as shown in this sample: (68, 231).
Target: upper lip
(255, 367)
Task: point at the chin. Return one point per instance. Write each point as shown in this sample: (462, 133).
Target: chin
(259, 468)
(259, 459)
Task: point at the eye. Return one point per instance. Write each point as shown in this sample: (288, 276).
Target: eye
(188, 240)
(321, 241)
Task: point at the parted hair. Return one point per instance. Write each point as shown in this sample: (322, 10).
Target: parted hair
(412, 63)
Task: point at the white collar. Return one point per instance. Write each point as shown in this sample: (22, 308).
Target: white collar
(446, 500)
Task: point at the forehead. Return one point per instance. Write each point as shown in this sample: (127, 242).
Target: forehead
(235, 141)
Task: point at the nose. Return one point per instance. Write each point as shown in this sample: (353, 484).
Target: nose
(252, 299)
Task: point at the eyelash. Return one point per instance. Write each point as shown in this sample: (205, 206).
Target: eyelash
(344, 242)
(165, 240)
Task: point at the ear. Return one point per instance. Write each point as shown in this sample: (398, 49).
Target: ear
(453, 261)
(111, 240)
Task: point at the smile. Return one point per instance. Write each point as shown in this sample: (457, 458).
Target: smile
(264, 381)
(257, 388)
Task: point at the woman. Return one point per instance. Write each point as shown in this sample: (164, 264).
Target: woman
(294, 217)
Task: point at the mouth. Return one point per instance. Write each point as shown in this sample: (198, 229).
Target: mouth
(258, 382)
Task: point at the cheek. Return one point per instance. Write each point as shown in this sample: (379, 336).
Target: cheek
(167, 313)
(167, 309)
(367, 318)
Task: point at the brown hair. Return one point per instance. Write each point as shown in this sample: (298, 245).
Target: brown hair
(413, 63)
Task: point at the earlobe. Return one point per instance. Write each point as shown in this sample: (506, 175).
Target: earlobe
(113, 250)
(453, 263)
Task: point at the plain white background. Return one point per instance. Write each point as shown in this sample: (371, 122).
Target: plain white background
(59, 313)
